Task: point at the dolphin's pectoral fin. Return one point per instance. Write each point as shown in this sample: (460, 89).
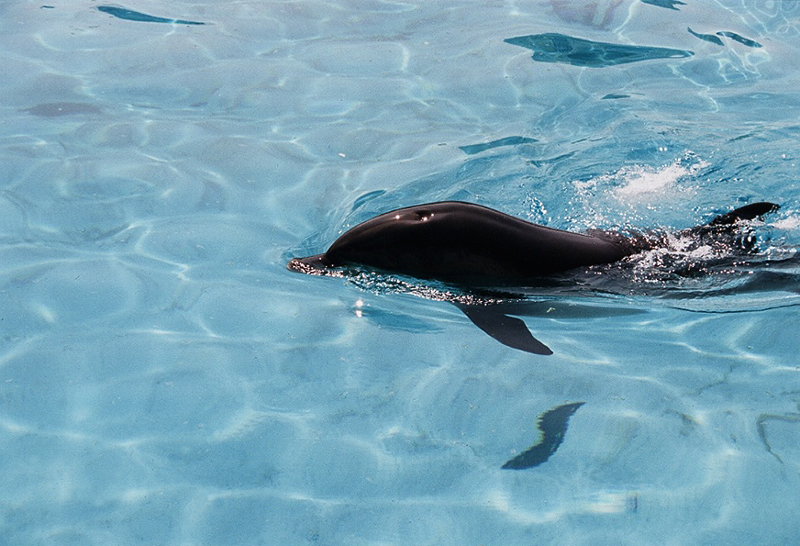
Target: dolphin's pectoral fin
(509, 331)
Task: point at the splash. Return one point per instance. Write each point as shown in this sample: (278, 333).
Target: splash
(787, 224)
(642, 181)
(637, 183)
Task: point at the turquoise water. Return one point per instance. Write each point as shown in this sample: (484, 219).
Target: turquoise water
(164, 379)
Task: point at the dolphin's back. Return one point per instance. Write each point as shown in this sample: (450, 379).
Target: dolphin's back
(464, 242)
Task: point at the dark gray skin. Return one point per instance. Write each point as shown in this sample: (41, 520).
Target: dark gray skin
(465, 243)
(478, 247)
(469, 244)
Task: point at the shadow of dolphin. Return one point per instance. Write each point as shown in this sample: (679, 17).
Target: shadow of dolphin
(553, 426)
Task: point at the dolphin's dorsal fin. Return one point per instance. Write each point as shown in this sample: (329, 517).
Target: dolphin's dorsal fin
(747, 212)
(509, 331)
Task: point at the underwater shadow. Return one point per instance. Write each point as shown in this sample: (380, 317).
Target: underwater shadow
(553, 47)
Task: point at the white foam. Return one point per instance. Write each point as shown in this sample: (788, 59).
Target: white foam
(644, 181)
(789, 223)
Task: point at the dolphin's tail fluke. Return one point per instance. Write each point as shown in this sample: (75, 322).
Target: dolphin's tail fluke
(747, 212)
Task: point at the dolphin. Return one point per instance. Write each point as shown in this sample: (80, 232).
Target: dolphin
(475, 247)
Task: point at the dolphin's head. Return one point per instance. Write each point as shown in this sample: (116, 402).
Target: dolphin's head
(409, 241)
(439, 240)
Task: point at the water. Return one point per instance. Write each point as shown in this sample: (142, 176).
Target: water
(164, 379)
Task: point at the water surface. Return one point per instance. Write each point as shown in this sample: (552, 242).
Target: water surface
(164, 379)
